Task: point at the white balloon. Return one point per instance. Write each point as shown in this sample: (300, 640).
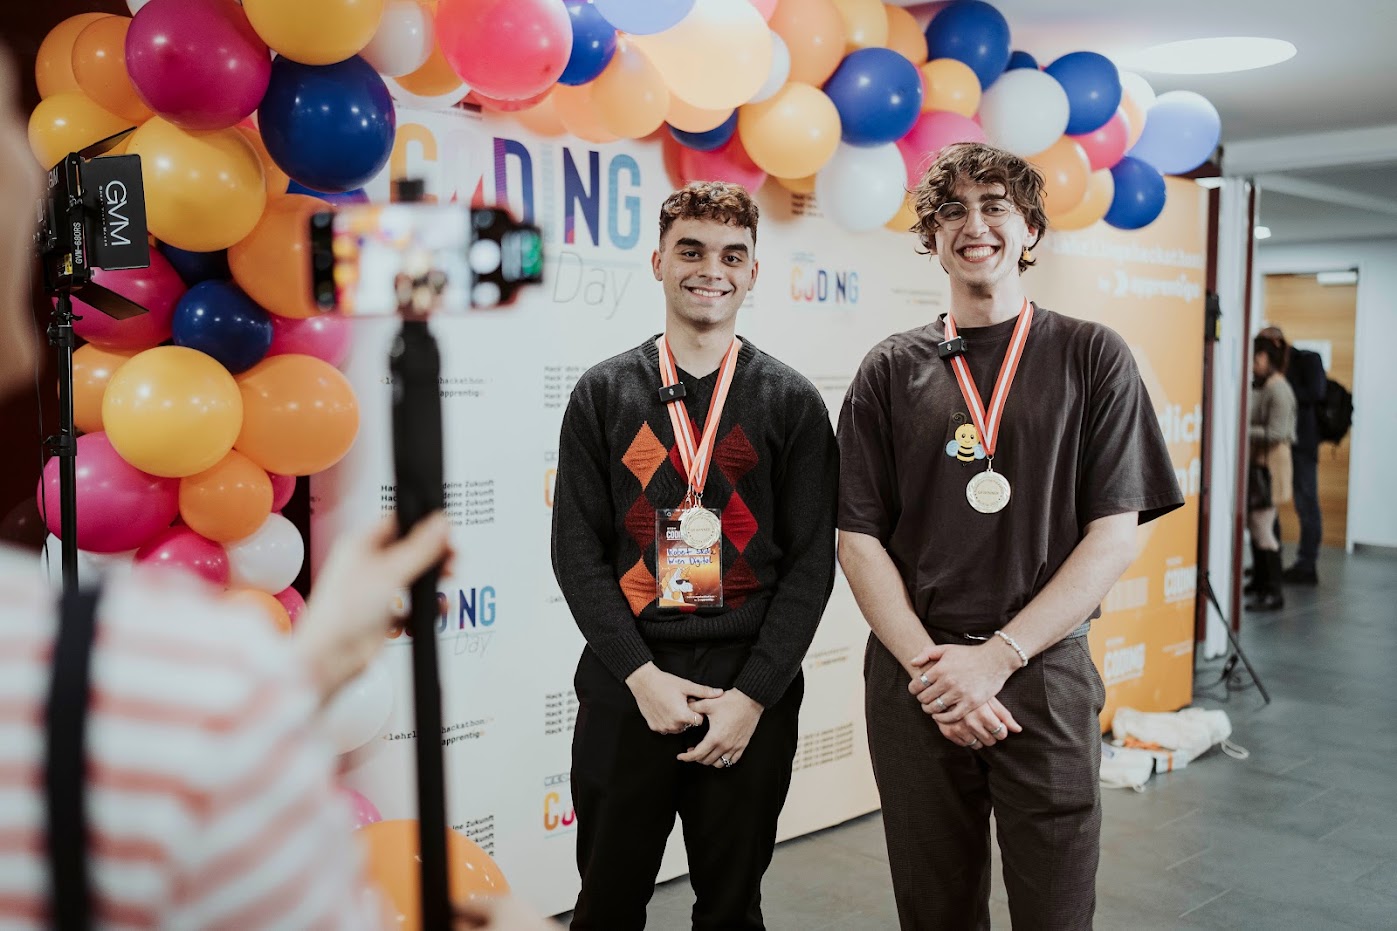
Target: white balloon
(780, 70)
(92, 567)
(269, 559)
(135, 5)
(1138, 88)
(358, 711)
(403, 41)
(861, 187)
(1024, 111)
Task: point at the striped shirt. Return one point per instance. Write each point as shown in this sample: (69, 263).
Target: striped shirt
(211, 801)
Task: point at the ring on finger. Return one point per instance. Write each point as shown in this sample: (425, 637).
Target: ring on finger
(924, 680)
(724, 762)
(939, 704)
(975, 744)
(998, 730)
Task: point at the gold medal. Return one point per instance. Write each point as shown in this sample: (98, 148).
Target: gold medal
(700, 528)
(988, 492)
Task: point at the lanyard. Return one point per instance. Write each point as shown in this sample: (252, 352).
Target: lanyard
(697, 455)
(988, 421)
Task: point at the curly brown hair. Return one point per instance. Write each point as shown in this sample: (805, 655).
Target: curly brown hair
(710, 200)
(979, 164)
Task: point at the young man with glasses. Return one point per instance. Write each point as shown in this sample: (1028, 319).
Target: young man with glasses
(994, 466)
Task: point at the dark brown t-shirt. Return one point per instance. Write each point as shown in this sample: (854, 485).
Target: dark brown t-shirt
(1079, 440)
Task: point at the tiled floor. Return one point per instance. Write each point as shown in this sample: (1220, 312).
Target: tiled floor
(1301, 835)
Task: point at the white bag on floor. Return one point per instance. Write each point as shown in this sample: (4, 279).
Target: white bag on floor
(1174, 738)
(1124, 768)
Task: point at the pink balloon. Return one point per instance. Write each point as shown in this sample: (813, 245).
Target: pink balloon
(933, 131)
(283, 487)
(157, 289)
(505, 49)
(325, 336)
(1105, 145)
(364, 811)
(730, 163)
(183, 549)
(197, 63)
(292, 601)
(765, 7)
(119, 507)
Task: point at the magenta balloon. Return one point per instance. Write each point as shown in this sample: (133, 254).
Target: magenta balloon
(1107, 143)
(325, 336)
(283, 487)
(933, 131)
(182, 549)
(157, 289)
(119, 506)
(294, 604)
(197, 63)
(729, 163)
(363, 811)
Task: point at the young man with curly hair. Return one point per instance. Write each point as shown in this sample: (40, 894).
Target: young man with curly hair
(995, 464)
(693, 537)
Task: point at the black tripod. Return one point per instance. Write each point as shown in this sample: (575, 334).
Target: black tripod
(1238, 655)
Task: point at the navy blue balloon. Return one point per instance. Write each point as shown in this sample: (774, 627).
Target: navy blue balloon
(356, 196)
(1139, 197)
(194, 267)
(1021, 59)
(219, 320)
(972, 32)
(709, 140)
(593, 43)
(1093, 86)
(330, 127)
(878, 94)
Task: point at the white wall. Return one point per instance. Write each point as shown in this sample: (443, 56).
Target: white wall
(1372, 504)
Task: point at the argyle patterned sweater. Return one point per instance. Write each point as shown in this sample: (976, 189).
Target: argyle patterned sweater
(774, 477)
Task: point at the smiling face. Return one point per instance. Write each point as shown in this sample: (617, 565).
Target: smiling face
(977, 254)
(967, 436)
(707, 267)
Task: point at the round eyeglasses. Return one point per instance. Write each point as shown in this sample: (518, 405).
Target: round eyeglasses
(953, 214)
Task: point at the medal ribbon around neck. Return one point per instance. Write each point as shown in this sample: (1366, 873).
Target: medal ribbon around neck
(987, 422)
(697, 455)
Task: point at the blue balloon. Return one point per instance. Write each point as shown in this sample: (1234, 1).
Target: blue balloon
(710, 140)
(593, 43)
(973, 32)
(1021, 59)
(1093, 88)
(644, 17)
(1181, 131)
(219, 320)
(356, 196)
(194, 267)
(1139, 196)
(330, 127)
(878, 94)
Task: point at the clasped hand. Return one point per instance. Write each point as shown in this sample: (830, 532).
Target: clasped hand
(957, 686)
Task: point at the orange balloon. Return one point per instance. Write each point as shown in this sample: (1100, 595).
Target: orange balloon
(1065, 169)
(1134, 119)
(299, 415)
(204, 191)
(684, 53)
(99, 67)
(865, 24)
(573, 105)
(691, 119)
(434, 78)
(93, 368)
(272, 263)
(905, 218)
(53, 69)
(69, 121)
(793, 133)
(804, 185)
(1101, 189)
(172, 411)
(542, 118)
(394, 865)
(264, 604)
(277, 181)
(227, 502)
(813, 31)
(630, 97)
(950, 85)
(904, 35)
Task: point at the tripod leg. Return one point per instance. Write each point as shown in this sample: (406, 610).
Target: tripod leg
(1238, 652)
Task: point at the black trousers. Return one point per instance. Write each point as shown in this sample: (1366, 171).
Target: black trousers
(628, 786)
(1042, 786)
(1306, 490)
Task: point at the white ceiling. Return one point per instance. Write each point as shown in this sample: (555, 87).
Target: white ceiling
(1340, 79)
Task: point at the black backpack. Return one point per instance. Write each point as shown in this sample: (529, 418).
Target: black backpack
(1334, 415)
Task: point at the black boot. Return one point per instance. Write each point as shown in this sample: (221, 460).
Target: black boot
(1254, 585)
(1271, 597)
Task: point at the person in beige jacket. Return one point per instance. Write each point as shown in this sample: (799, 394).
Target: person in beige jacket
(1272, 430)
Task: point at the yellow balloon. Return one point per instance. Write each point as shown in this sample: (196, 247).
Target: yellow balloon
(793, 133)
(905, 218)
(172, 411)
(717, 57)
(204, 192)
(804, 185)
(574, 107)
(53, 66)
(1065, 170)
(691, 119)
(1101, 188)
(542, 118)
(950, 85)
(315, 32)
(904, 35)
(69, 122)
(630, 97)
(865, 24)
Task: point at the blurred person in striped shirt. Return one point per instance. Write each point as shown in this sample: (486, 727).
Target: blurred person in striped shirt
(211, 800)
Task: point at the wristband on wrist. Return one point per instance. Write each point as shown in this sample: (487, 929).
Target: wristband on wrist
(1023, 657)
